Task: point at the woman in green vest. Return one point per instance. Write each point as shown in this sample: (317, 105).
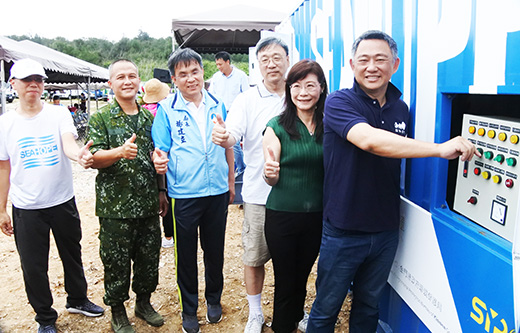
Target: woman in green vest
(293, 166)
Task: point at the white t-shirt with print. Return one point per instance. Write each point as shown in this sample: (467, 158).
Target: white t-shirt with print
(41, 173)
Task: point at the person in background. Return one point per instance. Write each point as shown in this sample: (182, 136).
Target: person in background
(227, 83)
(127, 198)
(36, 142)
(200, 180)
(83, 102)
(293, 153)
(154, 92)
(56, 100)
(73, 109)
(247, 118)
(365, 131)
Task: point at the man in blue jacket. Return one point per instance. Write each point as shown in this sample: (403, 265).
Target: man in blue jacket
(200, 179)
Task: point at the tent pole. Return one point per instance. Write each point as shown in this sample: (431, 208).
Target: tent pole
(88, 94)
(2, 87)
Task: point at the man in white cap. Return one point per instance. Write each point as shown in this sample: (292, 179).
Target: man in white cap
(36, 142)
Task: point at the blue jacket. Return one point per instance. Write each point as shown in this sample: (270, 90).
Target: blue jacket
(193, 171)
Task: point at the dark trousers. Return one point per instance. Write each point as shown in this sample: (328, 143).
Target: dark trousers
(208, 214)
(127, 245)
(167, 220)
(31, 234)
(294, 242)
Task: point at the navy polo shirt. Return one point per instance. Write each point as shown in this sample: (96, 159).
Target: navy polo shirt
(361, 190)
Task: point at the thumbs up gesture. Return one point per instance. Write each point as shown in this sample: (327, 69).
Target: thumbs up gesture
(129, 148)
(160, 161)
(85, 158)
(271, 166)
(219, 134)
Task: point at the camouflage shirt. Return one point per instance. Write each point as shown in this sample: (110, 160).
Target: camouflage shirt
(128, 188)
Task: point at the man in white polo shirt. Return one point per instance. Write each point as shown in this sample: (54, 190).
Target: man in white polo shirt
(247, 118)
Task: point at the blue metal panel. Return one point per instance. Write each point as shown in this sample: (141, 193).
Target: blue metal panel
(457, 74)
(336, 42)
(398, 35)
(479, 268)
(512, 65)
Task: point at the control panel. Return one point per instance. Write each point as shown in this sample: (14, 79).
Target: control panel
(487, 188)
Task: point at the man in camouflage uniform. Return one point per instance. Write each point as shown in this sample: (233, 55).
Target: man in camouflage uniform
(127, 201)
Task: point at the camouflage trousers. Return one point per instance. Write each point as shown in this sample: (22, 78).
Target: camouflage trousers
(123, 241)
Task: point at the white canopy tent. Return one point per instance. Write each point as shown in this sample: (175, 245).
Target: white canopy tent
(233, 29)
(59, 67)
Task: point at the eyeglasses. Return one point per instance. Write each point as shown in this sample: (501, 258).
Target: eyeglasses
(277, 59)
(310, 87)
(35, 78)
(185, 76)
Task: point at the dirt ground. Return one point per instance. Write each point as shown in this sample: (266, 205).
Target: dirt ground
(16, 315)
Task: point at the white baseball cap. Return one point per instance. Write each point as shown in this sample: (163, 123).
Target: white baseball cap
(26, 67)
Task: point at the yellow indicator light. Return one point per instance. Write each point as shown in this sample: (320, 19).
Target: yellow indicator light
(486, 175)
(472, 130)
(514, 139)
(502, 136)
(497, 179)
(481, 131)
(491, 134)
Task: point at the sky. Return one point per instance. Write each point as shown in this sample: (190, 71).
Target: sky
(111, 19)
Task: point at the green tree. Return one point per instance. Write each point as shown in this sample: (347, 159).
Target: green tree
(147, 52)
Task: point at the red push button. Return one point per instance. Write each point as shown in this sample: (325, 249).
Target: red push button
(509, 183)
(476, 171)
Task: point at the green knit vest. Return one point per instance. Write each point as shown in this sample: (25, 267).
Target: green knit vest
(300, 185)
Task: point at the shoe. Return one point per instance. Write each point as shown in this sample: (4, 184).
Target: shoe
(302, 325)
(120, 322)
(190, 324)
(254, 324)
(47, 328)
(88, 309)
(214, 314)
(144, 310)
(167, 243)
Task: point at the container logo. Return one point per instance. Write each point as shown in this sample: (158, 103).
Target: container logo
(486, 317)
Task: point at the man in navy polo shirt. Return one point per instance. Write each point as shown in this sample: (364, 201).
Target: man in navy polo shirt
(365, 131)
